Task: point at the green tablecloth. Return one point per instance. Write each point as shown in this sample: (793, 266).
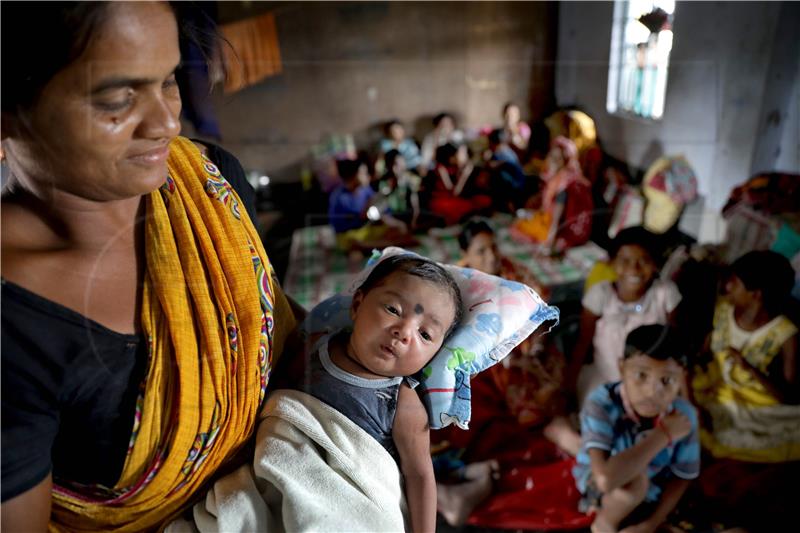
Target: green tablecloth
(317, 269)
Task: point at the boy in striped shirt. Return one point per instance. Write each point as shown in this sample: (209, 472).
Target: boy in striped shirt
(639, 440)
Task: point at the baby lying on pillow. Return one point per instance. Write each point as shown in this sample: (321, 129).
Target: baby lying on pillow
(498, 314)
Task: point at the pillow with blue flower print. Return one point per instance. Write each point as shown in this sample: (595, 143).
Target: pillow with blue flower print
(498, 315)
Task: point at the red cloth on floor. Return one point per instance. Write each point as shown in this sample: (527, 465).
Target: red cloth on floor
(532, 496)
(536, 489)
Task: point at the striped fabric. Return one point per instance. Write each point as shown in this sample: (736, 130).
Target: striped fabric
(606, 426)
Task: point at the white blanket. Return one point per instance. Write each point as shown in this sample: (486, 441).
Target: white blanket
(313, 470)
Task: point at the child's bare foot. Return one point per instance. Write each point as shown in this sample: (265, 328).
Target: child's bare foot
(601, 525)
(456, 502)
(560, 432)
(481, 470)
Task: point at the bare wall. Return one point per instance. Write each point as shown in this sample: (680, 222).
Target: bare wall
(717, 93)
(350, 65)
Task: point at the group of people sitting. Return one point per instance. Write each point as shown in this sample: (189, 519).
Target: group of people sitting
(454, 176)
(651, 404)
(144, 332)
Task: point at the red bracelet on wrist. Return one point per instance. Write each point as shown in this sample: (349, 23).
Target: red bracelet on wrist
(663, 428)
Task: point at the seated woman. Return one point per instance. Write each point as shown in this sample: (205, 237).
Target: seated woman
(523, 392)
(564, 218)
(518, 131)
(747, 394)
(530, 379)
(444, 131)
(446, 186)
(140, 316)
(395, 139)
(512, 187)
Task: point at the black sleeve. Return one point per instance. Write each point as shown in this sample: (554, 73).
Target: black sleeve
(232, 170)
(30, 412)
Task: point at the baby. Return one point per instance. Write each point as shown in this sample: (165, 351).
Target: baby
(401, 315)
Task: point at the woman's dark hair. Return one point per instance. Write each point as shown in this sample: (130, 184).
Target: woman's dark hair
(39, 39)
(769, 272)
(656, 341)
(390, 123)
(507, 105)
(474, 226)
(422, 268)
(637, 236)
(445, 153)
(440, 117)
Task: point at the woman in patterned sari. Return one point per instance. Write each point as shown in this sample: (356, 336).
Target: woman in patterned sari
(140, 317)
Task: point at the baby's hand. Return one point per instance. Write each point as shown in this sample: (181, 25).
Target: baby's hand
(676, 424)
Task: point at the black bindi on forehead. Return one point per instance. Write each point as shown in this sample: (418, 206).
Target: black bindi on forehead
(418, 309)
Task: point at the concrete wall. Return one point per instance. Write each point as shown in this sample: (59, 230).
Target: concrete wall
(721, 58)
(347, 66)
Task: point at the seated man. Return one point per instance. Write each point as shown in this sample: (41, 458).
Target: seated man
(640, 443)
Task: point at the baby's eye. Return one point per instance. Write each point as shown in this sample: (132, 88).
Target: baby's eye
(425, 335)
(392, 309)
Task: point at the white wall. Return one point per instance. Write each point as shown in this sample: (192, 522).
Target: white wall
(721, 55)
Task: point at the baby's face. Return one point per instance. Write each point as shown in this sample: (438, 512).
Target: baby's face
(651, 384)
(400, 324)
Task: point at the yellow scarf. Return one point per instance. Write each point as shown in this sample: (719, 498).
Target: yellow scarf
(207, 312)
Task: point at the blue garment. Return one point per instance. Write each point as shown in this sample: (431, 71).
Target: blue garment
(511, 169)
(605, 425)
(346, 207)
(370, 403)
(407, 148)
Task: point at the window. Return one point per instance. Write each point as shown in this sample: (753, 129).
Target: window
(641, 41)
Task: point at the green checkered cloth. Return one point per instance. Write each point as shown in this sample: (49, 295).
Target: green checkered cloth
(318, 269)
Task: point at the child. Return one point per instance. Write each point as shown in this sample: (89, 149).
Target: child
(611, 310)
(749, 389)
(639, 439)
(349, 208)
(402, 314)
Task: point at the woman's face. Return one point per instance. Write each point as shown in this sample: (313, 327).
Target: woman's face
(511, 115)
(101, 127)
(482, 254)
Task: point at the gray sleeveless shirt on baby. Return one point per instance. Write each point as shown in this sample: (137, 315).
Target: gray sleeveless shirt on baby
(370, 403)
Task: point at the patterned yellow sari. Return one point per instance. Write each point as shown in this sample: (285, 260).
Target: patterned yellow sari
(208, 313)
(748, 422)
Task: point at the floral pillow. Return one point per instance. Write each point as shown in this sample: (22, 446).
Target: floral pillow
(498, 315)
